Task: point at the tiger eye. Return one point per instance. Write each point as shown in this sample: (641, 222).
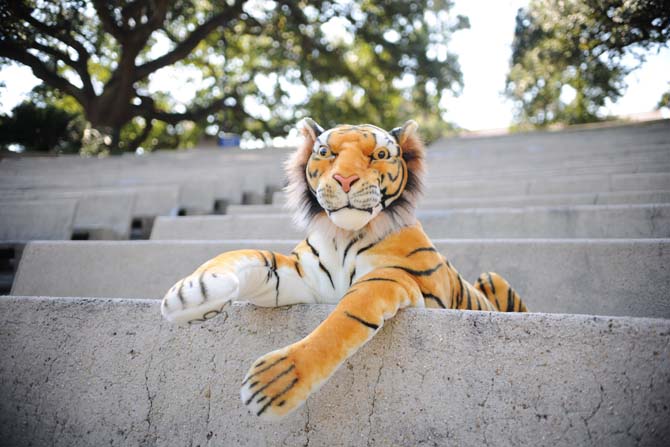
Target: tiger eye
(381, 154)
(323, 151)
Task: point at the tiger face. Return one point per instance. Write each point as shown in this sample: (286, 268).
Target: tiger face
(355, 173)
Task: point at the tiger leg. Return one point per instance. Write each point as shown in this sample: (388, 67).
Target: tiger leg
(261, 277)
(281, 381)
(500, 293)
(466, 297)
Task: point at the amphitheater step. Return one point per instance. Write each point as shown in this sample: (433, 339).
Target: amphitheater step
(604, 277)
(25, 220)
(586, 221)
(550, 185)
(504, 379)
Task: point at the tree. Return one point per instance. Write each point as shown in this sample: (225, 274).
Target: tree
(254, 58)
(40, 128)
(563, 46)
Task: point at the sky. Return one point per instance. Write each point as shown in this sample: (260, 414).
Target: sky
(484, 51)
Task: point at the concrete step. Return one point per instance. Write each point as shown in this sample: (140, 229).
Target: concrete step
(26, 220)
(439, 171)
(550, 185)
(99, 214)
(606, 198)
(609, 137)
(587, 221)
(605, 277)
(79, 372)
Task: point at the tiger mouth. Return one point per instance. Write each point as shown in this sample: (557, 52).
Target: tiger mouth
(349, 206)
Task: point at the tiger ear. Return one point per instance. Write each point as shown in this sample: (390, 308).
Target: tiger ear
(401, 134)
(309, 128)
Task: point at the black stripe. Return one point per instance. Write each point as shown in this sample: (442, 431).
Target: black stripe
(264, 369)
(325, 270)
(179, 293)
(418, 250)
(266, 264)
(467, 292)
(297, 268)
(311, 247)
(510, 300)
(493, 288)
(348, 247)
(321, 266)
(377, 279)
(367, 247)
(274, 270)
(372, 326)
(203, 288)
(277, 396)
(430, 296)
(418, 272)
(460, 292)
(351, 277)
(274, 379)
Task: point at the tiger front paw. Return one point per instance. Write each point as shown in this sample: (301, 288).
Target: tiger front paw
(277, 384)
(199, 297)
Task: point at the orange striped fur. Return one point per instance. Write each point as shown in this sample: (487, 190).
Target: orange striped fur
(355, 190)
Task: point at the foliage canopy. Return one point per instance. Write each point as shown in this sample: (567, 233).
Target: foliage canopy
(582, 45)
(259, 65)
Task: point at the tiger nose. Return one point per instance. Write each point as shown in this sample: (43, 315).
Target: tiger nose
(345, 182)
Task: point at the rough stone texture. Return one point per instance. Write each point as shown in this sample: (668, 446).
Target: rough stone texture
(36, 219)
(110, 372)
(604, 277)
(587, 221)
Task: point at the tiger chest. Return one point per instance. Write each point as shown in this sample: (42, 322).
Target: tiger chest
(332, 265)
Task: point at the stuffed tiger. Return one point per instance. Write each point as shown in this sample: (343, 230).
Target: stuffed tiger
(355, 189)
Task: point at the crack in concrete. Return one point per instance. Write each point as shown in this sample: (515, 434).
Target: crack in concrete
(150, 397)
(374, 400)
(208, 396)
(307, 427)
(483, 405)
(593, 413)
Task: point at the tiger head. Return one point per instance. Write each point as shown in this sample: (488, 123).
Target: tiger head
(356, 175)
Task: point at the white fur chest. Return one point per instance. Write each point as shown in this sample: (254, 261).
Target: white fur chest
(332, 265)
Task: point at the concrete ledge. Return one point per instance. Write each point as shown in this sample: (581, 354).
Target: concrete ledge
(605, 277)
(585, 221)
(24, 220)
(551, 185)
(80, 372)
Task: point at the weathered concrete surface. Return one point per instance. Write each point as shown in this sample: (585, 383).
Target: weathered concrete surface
(36, 219)
(550, 185)
(604, 277)
(587, 221)
(111, 372)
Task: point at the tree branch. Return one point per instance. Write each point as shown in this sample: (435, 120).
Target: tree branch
(187, 45)
(191, 115)
(19, 54)
(80, 65)
(108, 22)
